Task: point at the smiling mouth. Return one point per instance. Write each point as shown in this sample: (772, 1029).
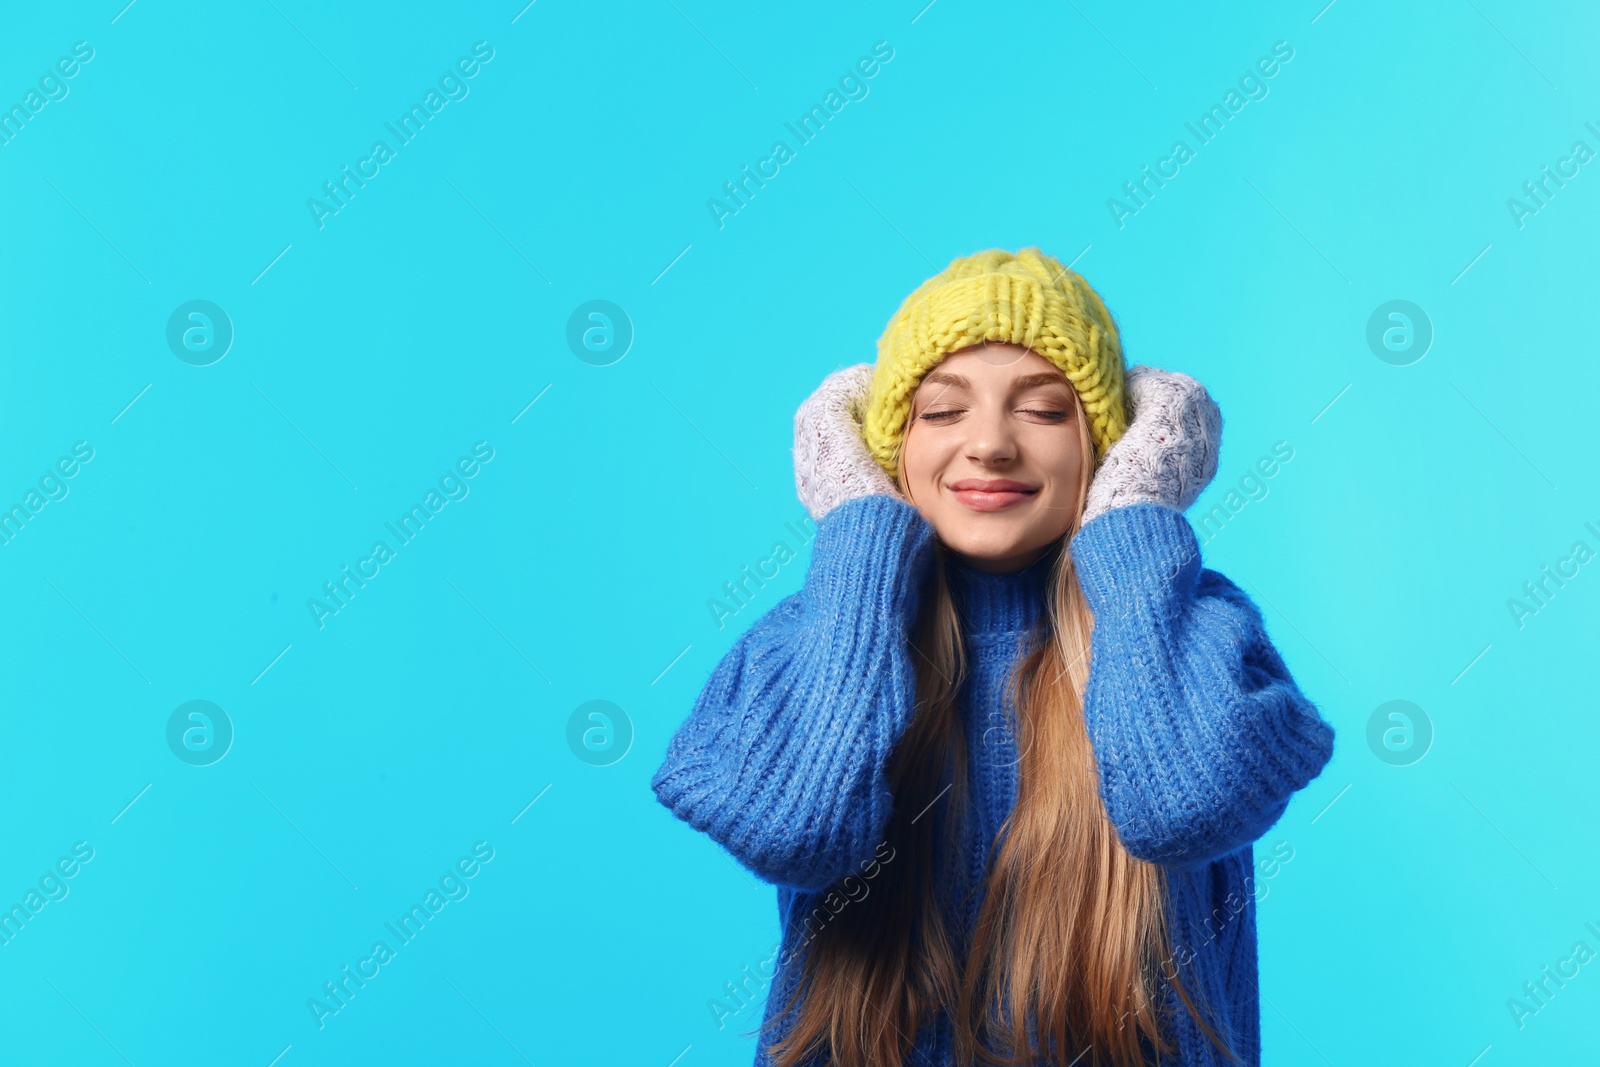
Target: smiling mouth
(991, 495)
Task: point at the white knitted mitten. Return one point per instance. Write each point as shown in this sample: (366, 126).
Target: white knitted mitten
(831, 461)
(1168, 454)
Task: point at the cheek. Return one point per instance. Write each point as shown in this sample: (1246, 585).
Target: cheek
(1061, 455)
(922, 453)
(938, 453)
(926, 457)
(1055, 449)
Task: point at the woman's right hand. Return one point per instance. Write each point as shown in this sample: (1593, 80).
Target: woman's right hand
(831, 460)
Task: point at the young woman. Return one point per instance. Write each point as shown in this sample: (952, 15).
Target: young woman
(1006, 752)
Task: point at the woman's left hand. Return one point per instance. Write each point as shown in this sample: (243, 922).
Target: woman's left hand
(1168, 454)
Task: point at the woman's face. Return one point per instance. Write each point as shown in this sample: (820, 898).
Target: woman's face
(992, 454)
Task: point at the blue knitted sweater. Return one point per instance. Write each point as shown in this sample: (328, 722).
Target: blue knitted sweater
(1200, 735)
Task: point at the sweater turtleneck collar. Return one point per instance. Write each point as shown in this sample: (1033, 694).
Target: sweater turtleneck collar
(1006, 603)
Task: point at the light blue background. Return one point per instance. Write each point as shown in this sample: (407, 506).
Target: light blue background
(428, 314)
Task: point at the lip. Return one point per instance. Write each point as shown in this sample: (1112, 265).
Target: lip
(991, 494)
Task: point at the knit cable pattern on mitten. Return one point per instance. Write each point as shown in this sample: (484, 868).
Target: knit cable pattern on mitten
(1169, 453)
(831, 461)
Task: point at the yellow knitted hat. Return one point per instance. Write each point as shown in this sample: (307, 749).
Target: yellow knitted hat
(1028, 299)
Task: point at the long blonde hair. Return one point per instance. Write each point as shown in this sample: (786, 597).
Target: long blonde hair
(1071, 927)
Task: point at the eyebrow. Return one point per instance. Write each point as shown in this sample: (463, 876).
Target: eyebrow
(1027, 381)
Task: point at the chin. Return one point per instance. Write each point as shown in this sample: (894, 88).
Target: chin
(982, 544)
(988, 541)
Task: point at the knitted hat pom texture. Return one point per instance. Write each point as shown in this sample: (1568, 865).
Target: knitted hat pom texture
(1027, 298)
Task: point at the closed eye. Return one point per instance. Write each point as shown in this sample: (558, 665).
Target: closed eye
(936, 416)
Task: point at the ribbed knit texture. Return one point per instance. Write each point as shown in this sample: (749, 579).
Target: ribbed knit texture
(1200, 735)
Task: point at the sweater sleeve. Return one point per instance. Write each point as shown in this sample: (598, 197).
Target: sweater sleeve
(783, 759)
(1200, 734)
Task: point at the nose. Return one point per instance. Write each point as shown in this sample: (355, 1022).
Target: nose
(992, 439)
